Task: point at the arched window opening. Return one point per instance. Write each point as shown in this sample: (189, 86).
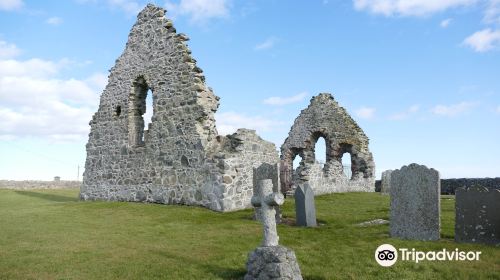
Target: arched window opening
(148, 115)
(139, 110)
(320, 151)
(296, 162)
(346, 165)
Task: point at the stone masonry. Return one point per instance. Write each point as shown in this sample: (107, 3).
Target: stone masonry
(325, 118)
(179, 158)
(415, 203)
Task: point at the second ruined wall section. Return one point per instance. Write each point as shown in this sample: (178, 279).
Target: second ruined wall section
(239, 153)
(325, 118)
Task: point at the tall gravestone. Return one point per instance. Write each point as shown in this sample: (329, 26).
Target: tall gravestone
(415, 203)
(305, 210)
(477, 215)
(385, 182)
(270, 260)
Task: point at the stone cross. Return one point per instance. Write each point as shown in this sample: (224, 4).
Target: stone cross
(266, 199)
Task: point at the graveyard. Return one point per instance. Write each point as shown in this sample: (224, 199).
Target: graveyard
(179, 197)
(50, 234)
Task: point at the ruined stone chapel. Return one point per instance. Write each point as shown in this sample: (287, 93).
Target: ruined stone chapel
(179, 158)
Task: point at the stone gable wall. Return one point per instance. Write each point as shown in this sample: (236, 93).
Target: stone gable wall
(325, 118)
(179, 159)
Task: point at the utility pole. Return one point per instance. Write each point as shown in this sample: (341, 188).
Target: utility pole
(78, 174)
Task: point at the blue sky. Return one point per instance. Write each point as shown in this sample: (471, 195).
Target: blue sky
(420, 77)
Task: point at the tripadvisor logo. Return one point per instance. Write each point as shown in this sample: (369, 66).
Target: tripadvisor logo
(387, 255)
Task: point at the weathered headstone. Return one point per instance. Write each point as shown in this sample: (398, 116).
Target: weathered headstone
(477, 215)
(270, 261)
(385, 183)
(305, 210)
(415, 203)
(266, 171)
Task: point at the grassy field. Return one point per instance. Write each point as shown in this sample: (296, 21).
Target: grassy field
(51, 235)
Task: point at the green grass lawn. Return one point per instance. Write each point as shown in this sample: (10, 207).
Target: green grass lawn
(51, 235)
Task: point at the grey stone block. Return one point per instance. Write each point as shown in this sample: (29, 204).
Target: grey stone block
(276, 262)
(385, 184)
(305, 209)
(477, 215)
(415, 203)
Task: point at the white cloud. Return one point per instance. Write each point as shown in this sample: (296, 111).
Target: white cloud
(405, 114)
(8, 50)
(34, 67)
(498, 109)
(9, 5)
(229, 122)
(454, 109)
(35, 102)
(128, 6)
(409, 7)
(484, 40)
(481, 41)
(365, 113)
(54, 20)
(97, 81)
(492, 12)
(267, 44)
(199, 11)
(276, 100)
(445, 23)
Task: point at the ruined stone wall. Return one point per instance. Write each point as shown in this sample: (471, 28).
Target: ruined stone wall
(34, 184)
(325, 118)
(448, 186)
(243, 151)
(177, 159)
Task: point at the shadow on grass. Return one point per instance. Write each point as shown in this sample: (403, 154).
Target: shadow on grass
(49, 197)
(225, 272)
(216, 270)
